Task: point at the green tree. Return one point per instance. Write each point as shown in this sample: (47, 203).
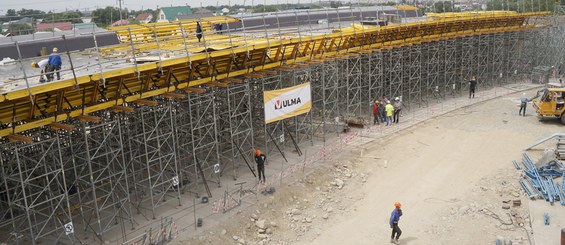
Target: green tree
(11, 12)
(20, 29)
(33, 13)
(335, 4)
(106, 16)
(10, 15)
(73, 17)
(260, 8)
(443, 6)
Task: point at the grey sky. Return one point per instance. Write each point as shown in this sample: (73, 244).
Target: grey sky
(61, 5)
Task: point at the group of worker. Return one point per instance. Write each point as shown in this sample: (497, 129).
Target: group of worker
(385, 112)
(394, 217)
(49, 67)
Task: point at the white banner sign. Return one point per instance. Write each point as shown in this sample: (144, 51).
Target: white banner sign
(288, 102)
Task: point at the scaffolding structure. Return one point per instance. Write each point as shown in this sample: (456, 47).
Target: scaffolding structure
(113, 169)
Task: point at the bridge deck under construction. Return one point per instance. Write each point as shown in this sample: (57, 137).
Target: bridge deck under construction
(215, 60)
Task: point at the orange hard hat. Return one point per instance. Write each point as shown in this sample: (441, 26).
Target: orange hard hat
(258, 152)
(397, 204)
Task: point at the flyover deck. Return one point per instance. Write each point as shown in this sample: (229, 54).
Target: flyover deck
(179, 63)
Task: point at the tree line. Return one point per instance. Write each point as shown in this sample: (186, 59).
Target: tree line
(106, 16)
(47, 17)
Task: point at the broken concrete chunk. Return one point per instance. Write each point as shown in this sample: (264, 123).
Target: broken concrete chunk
(260, 224)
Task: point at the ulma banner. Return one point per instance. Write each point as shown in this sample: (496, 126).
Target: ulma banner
(288, 102)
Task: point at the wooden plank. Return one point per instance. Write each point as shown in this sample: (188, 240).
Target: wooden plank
(122, 108)
(194, 90)
(218, 84)
(253, 75)
(174, 96)
(268, 72)
(86, 118)
(17, 137)
(57, 126)
(302, 65)
(147, 102)
(285, 68)
(316, 61)
(233, 80)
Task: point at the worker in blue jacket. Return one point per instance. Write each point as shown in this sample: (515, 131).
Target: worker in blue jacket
(394, 218)
(55, 63)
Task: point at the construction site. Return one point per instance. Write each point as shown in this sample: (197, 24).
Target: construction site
(150, 134)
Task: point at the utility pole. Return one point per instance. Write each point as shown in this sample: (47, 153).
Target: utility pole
(120, 3)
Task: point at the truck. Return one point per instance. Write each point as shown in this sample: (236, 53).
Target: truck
(551, 103)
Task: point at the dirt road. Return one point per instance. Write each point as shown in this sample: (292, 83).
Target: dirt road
(441, 166)
(451, 174)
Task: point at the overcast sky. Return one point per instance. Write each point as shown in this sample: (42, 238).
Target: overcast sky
(61, 5)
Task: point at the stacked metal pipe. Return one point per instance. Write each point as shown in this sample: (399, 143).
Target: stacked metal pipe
(542, 181)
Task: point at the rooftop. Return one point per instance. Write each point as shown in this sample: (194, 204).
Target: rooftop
(60, 26)
(142, 16)
(172, 12)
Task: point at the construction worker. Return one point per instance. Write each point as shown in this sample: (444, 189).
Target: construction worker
(55, 63)
(397, 108)
(376, 113)
(42, 64)
(382, 108)
(260, 160)
(472, 86)
(523, 103)
(389, 111)
(394, 218)
(198, 31)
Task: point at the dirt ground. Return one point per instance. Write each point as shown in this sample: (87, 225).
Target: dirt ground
(451, 174)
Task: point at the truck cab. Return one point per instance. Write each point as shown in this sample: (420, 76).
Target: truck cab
(551, 103)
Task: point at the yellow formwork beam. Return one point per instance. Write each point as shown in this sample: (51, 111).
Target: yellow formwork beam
(215, 66)
(146, 32)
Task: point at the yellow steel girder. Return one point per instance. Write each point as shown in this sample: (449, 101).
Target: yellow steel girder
(57, 101)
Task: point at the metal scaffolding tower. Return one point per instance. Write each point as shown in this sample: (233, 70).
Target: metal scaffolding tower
(100, 188)
(166, 134)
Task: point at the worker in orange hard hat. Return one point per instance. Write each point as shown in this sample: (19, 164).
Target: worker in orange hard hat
(260, 160)
(394, 218)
